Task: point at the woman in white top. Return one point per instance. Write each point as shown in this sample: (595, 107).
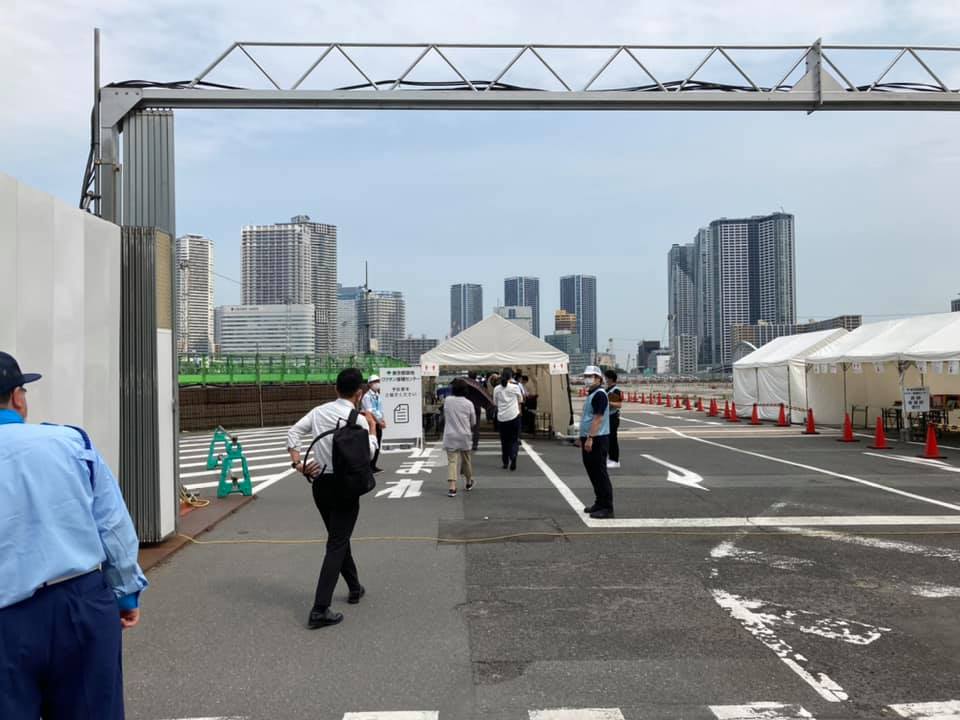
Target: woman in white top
(459, 419)
(509, 400)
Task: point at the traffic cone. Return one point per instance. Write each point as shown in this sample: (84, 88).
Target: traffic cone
(726, 409)
(733, 413)
(643, 399)
(755, 417)
(714, 410)
(676, 402)
(686, 404)
(931, 451)
(782, 420)
(847, 431)
(880, 443)
(668, 400)
(659, 399)
(811, 428)
(699, 404)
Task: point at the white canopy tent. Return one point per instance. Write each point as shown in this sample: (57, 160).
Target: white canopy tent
(870, 367)
(775, 374)
(498, 343)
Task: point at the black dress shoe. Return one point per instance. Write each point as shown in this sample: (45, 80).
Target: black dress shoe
(323, 619)
(505, 466)
(590, 508)
(354, 597)
(601, 514)
(376, 470)
(513, 464)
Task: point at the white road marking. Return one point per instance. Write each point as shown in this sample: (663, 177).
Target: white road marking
(932, 590)
(577, 714)
(236, 466)
(393, 715)
(758, 625)
(729, 550)
(909, 548)
(939, 465)
(404, 488)
(761, 711)
(277, 454)
(945, 710)
(566, 493)
(682, 476)
(272, 480)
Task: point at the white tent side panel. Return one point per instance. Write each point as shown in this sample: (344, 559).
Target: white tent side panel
(775, 373)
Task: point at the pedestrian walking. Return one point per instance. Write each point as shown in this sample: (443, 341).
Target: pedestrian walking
(616, 402)
(69, 578)
(509, 401)
(477, 402)
(460, 418)
(339, 509)
(373, 404)
(595, 442)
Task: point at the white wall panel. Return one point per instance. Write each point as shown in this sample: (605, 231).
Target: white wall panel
(8, 251)
(165, 435)
(64, 389)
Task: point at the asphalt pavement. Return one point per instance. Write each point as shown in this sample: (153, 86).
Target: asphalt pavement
(749, 573)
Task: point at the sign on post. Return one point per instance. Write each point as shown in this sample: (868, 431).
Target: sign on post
(916, 400)
(402, 395)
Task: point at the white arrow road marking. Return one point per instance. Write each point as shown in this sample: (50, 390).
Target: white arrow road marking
(682, 476)
(761, 711)
(946, 710)
(402, 488)
(577, 714)
(939, 465)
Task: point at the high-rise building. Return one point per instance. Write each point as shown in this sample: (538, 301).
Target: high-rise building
(763, 332)
(564, 321)
(743, 272)
(578, 295)
(348, 332)
(266, 329)
(194, 256)
(381, 321)
(410, 349)
(682, 307)
(466, 306)
(645, 349)
(521, 316)
(955, 305)
(524, 291)
(293, 263)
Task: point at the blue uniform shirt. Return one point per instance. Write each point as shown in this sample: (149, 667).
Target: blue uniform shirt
(55, 520)
(373, 403)
(594, 405)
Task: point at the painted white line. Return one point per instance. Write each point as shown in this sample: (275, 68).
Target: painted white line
(393, 715)
(945, 710)
(682, 476)
(566, 493)
(761, 711)
(277, 454)
(728, 550)
(272, 481)
(909, 548)
(822, 471)
(577, 714)
(917, 461)
(931, 590)
(758, 625)
(236, 466)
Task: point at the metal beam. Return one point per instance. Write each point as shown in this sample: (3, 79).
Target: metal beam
(543, 100)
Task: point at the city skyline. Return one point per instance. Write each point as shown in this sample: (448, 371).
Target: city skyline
(524, 291)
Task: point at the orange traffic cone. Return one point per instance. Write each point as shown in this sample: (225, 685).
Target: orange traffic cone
(686, 403)
(699, 404)
(811, 428)
(676, 402)
(931, 451)
(714, 410)
(847, 431)
(733, 413)
(668, 400)
(755, 417)
(659, 399)
(782, 420)
(726, 409)
(880, 443)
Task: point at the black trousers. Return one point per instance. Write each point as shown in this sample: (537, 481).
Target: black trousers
(376, 454)
(595, 463)
(614, 441)
(509, 439)
(339, 515)
(476, 428)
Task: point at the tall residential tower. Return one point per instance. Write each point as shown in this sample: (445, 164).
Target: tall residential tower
(578, 295)
(466, 306)
(194, 295)
(524, 291)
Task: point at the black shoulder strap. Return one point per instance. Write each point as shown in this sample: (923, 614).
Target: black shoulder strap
(354, 414)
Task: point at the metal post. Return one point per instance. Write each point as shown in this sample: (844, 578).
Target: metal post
(815, 64)
(96, 121)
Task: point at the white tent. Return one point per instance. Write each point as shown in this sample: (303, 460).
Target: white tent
(870, 367)
(775, 373)
(498, 343)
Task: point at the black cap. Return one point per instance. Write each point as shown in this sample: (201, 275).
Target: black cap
(10, 375)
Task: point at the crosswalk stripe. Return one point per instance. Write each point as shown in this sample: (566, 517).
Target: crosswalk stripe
(251, 468)
(944, 710)
(577, 714)
(276, 456)
(761, 711)
(393, 715)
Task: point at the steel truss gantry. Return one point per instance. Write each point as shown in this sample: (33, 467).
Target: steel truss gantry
(824, 85)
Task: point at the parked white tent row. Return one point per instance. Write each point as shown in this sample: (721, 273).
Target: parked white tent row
(869, 367)
(776, 373)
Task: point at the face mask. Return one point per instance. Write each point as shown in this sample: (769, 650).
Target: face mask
(375, 387)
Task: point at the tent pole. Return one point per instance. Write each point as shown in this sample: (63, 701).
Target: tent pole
(789, 395)
(844, 366)
(756, 375)
(901, 367)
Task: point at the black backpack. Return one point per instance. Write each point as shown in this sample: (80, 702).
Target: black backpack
(351, 457)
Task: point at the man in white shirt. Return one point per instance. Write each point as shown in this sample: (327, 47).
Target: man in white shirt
(338, 510)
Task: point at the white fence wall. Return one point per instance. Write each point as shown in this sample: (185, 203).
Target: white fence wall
(60, 310)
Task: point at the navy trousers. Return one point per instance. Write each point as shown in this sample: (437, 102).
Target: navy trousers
(60, 654)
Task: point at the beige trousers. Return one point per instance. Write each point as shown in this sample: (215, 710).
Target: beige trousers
(454, 460)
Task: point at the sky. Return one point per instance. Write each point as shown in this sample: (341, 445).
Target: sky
(436, 198)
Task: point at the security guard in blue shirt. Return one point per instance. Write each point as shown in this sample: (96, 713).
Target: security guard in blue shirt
(69, 578)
